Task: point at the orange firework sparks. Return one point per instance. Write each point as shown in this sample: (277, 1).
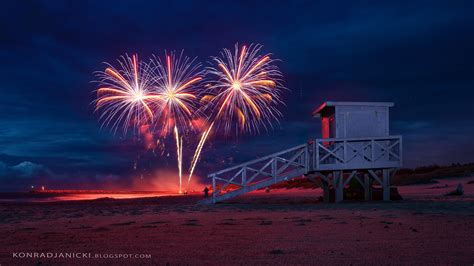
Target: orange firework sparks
(125, 96)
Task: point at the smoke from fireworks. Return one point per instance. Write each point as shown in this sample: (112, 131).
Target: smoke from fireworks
(244, 94)
(125, 95)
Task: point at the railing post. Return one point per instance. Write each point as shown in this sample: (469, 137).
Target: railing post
(213, 189)
(313, 156)
(244, 178)
(274, 168)
(400, 149)
(372, 149)
(317, 155)
(306, 158)
(344, 152)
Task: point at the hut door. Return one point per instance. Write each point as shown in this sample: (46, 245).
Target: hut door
(332, 127)
(328, 127)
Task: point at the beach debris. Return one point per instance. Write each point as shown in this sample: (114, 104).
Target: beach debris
(265, 223)
(192, 222)
(276, 252)
(458, 192)
(439, 186)
(124, 223)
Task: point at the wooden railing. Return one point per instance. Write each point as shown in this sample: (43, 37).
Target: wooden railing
(358, 153)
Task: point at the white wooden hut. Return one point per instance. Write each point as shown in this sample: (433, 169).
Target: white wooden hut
(355, 144)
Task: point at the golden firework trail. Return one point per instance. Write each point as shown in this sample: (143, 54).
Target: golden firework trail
(179, 154)
(125, 94)
(197, 153)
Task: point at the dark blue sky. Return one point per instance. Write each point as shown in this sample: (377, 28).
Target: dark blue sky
(418, 54)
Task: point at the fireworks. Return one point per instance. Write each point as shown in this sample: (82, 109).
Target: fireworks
(125, 95)
(176, 83)
(197, 153)
(245, 92)
(242, 96)
(179, 156)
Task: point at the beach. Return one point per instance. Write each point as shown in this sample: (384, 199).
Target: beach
(281, 227)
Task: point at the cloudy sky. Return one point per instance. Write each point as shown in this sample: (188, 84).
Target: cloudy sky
(418, 54)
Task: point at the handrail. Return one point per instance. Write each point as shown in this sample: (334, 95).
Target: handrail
(310, 145)
(358, 139)
(258, 160)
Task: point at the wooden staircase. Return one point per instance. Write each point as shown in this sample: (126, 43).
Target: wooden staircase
(325, 158)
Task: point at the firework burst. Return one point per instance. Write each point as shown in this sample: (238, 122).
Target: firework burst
(243, 95)
(125, 94)
(246, 90)
(176, 83)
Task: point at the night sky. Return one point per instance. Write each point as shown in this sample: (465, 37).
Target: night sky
(418, 55)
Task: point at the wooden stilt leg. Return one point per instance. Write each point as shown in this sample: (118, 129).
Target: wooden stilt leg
(338, 186)
(386, 184)
(325, 187)
(213, 189)
(322, 183)
(367, 187)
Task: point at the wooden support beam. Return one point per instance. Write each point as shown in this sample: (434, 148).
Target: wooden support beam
(368, 187)
(213, 189)
(322, 183)
(244, 179)
(386, 184)
(374, 175)
(338, 185)
(353, 173)
(325, 187)
(361, 182)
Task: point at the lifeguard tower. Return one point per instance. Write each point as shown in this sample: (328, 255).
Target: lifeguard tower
(355, 144)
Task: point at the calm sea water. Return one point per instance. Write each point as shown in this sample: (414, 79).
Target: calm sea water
(48, 197)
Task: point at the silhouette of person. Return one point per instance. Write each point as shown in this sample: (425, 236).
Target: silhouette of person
(206, 192)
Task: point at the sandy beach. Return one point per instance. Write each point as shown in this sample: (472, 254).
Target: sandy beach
(281, 227)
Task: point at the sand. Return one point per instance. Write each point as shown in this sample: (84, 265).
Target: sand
(281, 227)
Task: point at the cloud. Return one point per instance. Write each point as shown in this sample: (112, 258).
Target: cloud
(24, 170)
(28, 169)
